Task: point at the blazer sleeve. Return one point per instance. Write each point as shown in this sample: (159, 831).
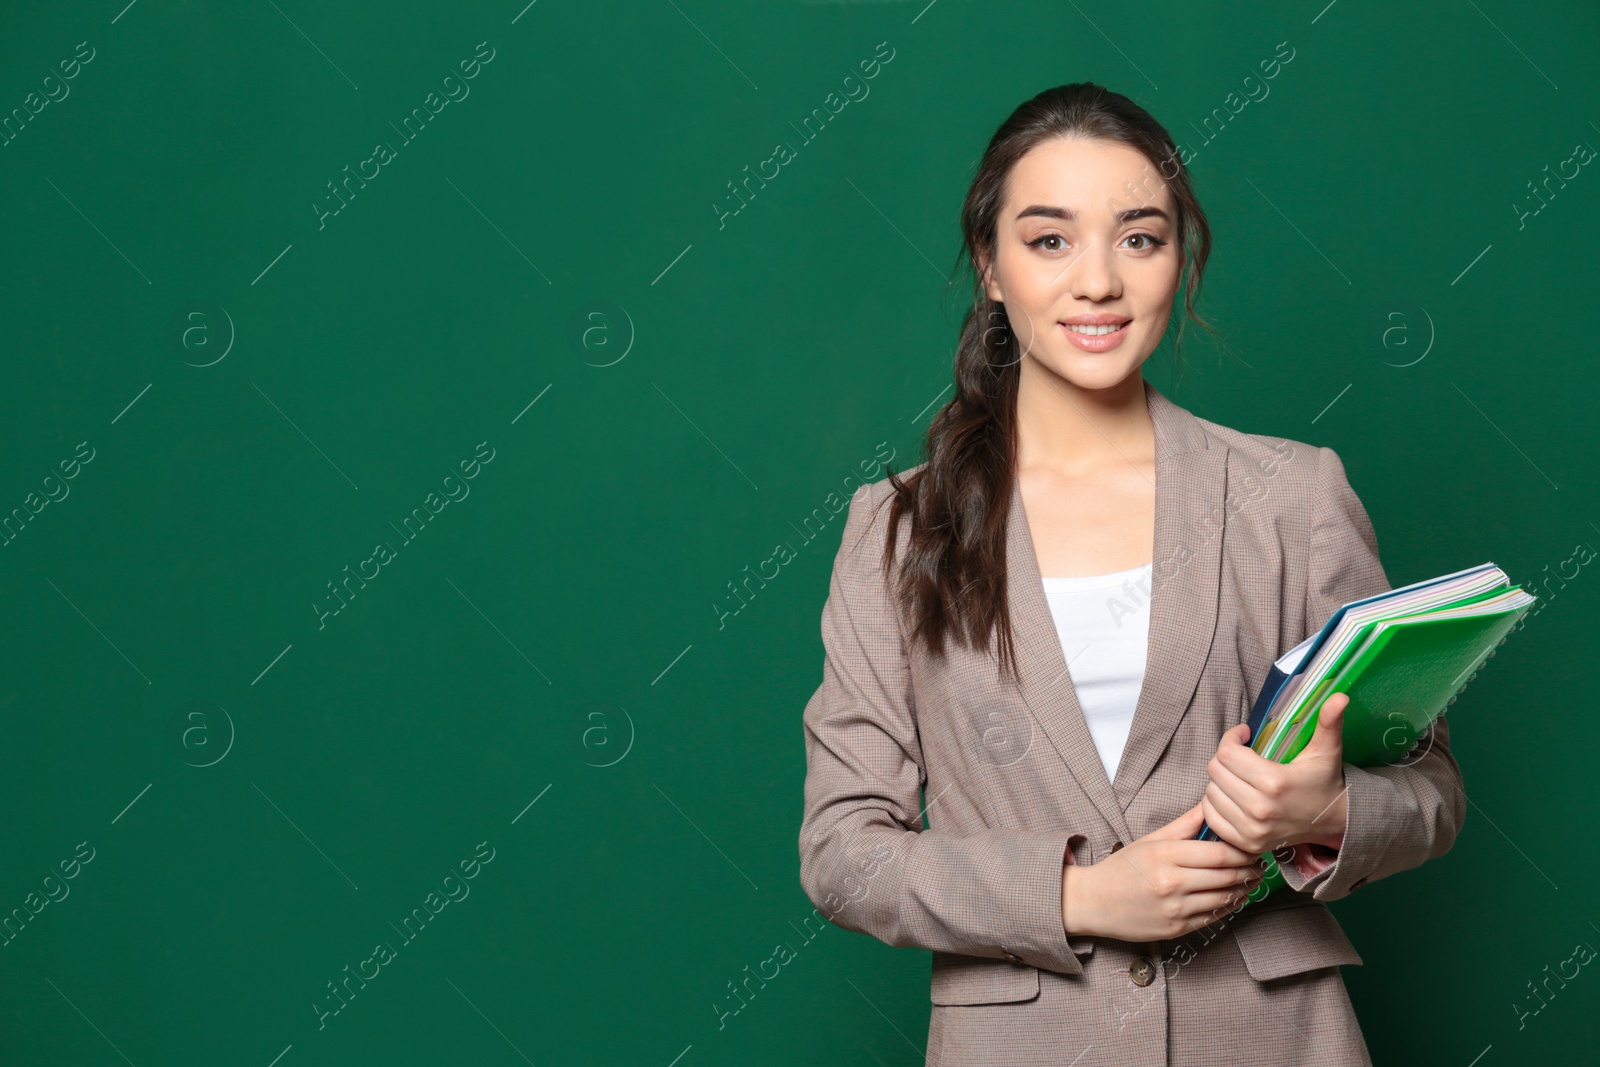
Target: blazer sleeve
(867, 861)
(1397, 816)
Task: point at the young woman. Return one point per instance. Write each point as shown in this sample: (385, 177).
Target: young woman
(1044, 641)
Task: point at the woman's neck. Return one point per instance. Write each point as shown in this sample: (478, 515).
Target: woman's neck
(1065, 428)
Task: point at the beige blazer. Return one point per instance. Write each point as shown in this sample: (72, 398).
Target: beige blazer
(1257, 540)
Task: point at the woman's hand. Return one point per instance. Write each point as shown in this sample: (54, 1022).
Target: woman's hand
(1261, 806)
(1165, 884)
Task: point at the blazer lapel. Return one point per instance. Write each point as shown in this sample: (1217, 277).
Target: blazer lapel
(1191, 484)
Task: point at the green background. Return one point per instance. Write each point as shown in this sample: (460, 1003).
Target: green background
(666, 398)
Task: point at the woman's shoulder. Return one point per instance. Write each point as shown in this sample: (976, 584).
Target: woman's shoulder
(870, 503)
(874, 495)
(864, 541)
(1252, 446)
(1308, 468)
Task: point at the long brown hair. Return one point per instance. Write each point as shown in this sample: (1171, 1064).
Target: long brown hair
(954, 578)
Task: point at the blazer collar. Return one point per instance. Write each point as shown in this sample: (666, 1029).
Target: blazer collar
(1191, 482)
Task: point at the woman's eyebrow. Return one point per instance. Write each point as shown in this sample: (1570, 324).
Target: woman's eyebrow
(1068, 215)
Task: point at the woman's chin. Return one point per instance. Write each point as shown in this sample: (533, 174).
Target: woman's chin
(1091, 372)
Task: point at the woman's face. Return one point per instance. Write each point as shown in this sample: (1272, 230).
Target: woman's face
(1088, 230)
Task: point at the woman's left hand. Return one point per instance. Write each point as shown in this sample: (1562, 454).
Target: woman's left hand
(1260, 806)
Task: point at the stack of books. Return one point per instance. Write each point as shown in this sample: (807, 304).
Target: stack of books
(1401, 656)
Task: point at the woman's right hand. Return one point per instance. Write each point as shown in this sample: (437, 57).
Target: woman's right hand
(1164, 885)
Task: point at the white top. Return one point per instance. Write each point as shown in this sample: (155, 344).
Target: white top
(1103, 621)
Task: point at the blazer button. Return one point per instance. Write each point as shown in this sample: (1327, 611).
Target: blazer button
(1012, 957)
(1141, 971)
(1116, 845)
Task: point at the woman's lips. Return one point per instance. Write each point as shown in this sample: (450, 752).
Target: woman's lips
(1104, 343)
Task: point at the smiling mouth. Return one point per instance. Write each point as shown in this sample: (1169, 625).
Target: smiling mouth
(1094, 331)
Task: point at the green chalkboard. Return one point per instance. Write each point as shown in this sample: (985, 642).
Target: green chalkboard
(399, 399)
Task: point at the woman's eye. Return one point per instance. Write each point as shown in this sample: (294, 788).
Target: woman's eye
(1152, 241)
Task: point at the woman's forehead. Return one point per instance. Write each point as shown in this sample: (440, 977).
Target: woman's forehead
(1088, 178)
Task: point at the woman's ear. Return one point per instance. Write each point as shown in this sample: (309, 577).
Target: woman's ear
(990, 286)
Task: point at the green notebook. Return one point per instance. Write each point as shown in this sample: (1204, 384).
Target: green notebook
(1400, 675)
(1402, 658)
